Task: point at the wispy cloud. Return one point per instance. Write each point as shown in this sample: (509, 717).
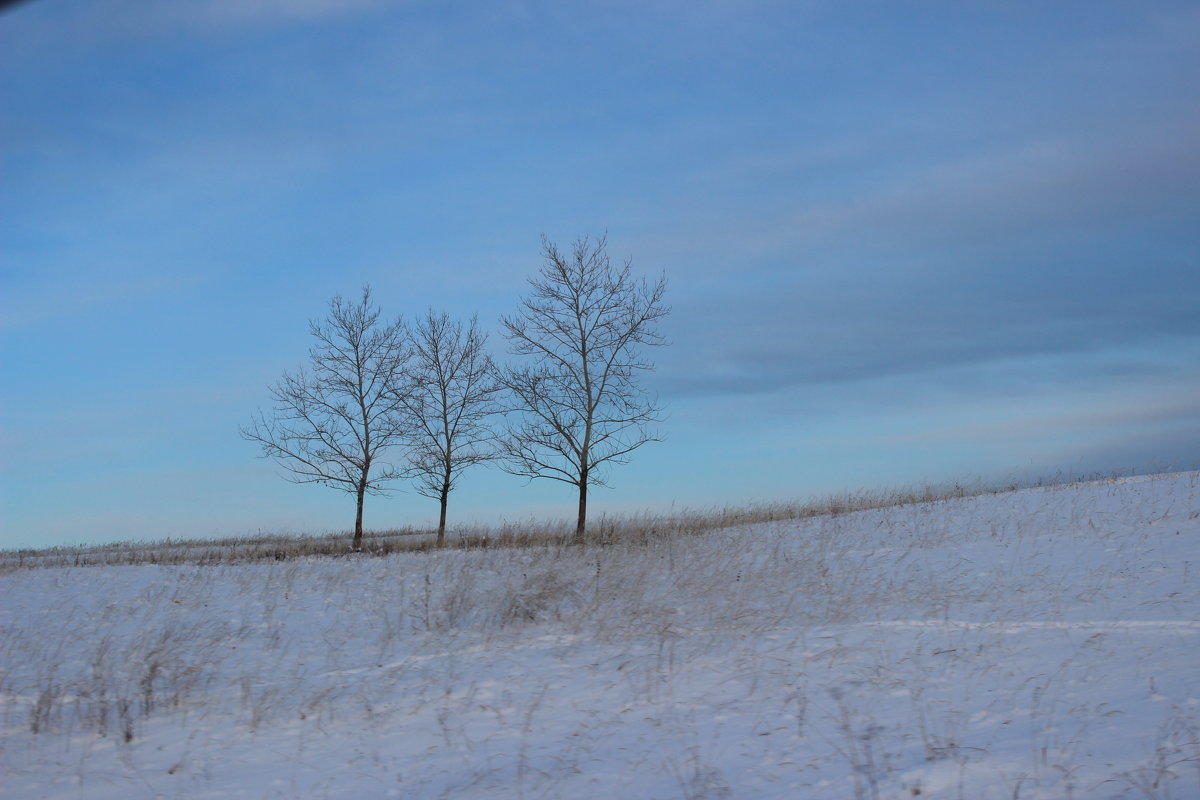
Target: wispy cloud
(1060, 246)
(1027, 188)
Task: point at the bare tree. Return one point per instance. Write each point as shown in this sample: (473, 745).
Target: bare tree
(333, 425)
(448, 399)
(579, 407)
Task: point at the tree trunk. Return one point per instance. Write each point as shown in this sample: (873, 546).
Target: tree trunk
(581, 521)
(357, 546)
(441, 537)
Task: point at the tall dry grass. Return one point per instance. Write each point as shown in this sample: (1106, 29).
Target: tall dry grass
(604, 529)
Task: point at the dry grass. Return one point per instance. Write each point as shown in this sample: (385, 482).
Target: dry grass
(604, 530)
(872, 643)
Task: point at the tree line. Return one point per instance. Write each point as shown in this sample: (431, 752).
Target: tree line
(381, 400)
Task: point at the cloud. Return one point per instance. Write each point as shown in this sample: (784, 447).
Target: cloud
(1026, 189)
(1173, 450)
(1062, 247)
(1160, 406)
(800, 336)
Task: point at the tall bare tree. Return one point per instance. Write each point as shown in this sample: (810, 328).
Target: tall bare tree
(578, 406)
(334, 423)
(448, 398)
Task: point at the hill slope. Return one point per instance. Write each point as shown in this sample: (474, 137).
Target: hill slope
(1036, 644)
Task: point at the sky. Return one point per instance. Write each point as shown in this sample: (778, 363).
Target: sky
(905, 242)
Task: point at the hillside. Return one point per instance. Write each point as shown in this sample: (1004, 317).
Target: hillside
(1043, 643)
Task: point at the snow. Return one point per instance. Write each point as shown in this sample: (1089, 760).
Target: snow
(1035, 644)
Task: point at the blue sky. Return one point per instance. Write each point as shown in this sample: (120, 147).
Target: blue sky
(905, 242)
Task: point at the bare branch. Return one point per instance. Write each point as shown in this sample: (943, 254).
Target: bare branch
(447, 400)
(580, 408)
(335, 424)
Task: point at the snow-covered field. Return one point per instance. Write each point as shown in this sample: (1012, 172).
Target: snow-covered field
(1038, 644)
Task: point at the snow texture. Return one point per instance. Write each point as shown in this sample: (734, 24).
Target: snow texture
(1035, 644)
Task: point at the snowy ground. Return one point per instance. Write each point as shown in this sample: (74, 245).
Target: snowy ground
(1039, 644)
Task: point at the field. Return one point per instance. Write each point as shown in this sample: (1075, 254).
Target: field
(1041, 643)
